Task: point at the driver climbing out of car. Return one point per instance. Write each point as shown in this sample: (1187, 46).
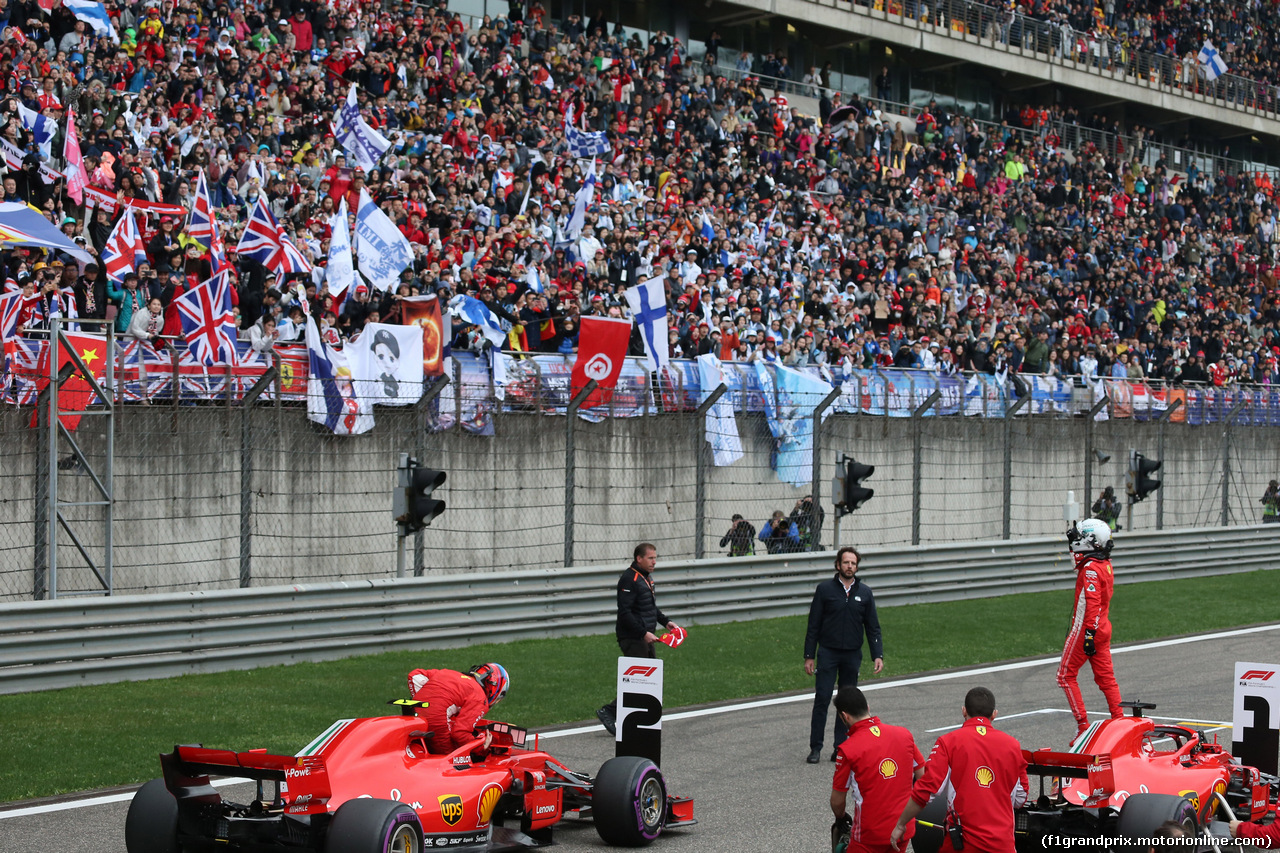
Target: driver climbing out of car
(457, 701)
(1090, 636)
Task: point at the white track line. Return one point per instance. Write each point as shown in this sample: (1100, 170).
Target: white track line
(741, 706)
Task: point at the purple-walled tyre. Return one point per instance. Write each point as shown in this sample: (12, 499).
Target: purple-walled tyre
(629, 801)
(374, 826)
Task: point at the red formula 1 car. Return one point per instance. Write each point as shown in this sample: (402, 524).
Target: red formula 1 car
(1122, 779)
(372, 786)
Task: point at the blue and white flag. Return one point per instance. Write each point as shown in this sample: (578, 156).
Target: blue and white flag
(383, 251)
(648, 303)
(477, 313)
(339, 272)
(1212, 65)
(93, 14)
(331, 391)
(584, 144)
(364, 145)
(790, 419)
(721, 426)
(42, 129)
(533, 279)
(708, 230)
(581, 201)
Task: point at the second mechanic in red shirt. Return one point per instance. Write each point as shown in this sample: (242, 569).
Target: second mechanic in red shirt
(987, 778)
(876, 765)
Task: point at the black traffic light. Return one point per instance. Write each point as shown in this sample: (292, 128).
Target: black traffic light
(1140, 482)
(847, 492)
(414, 505)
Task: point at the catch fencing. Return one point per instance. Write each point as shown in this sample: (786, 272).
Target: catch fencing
(214, 494)
(47, 645)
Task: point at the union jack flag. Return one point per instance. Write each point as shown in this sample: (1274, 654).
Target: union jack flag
(204, 229)
(207, 320)
(265, 242)
(125, 250)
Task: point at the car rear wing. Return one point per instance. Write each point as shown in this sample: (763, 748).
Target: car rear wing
(1095, 768)
(187, 770)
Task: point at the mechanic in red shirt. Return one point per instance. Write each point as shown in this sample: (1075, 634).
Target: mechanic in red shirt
(1090, 636)
(456, 701)
(1256, 833)
(985, 776)
(876, 764)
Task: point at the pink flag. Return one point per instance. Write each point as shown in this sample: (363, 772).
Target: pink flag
(77, 178)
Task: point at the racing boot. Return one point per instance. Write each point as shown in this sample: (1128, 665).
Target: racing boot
(607, 719)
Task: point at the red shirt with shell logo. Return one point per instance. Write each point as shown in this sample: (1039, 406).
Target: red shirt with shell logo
(875, 764)
(983, 775)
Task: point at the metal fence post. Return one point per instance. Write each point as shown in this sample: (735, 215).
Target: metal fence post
(700, 450)
(1160, 422)
(571, 422)
(916, 414)
(1088, 449)
(246, 474)
(1008, 464)
(423, 410)
(40, 580)
(815, 486)
(1226, 461)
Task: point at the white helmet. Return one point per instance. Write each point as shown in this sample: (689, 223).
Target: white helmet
(1089, 535)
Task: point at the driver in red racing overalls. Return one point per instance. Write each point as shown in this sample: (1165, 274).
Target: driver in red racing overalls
(1090, 636)
(456, 701)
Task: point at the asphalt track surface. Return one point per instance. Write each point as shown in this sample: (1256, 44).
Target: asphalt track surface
(743, 763)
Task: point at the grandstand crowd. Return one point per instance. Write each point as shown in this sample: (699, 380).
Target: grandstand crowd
(922, 242)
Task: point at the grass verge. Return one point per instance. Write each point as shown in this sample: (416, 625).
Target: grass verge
(89, 737)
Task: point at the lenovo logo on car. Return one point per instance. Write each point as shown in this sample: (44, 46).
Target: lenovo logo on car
(641, 670)
(544, 810)
(1257, 675)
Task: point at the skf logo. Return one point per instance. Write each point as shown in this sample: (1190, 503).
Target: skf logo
(1257, 675)
(875, 731)
(641, 670)
(451, 808)
(888, 768)
(488, 800)
(984, 776)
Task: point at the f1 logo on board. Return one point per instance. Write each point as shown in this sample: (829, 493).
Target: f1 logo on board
(647, 671)
(1257, 675)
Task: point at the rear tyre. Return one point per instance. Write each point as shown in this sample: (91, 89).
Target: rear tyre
(629, 801)
(1142, 814)
(373, 826)
(152, 823)
(928, 839)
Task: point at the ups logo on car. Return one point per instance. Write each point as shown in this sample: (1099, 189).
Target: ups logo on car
(451, 808)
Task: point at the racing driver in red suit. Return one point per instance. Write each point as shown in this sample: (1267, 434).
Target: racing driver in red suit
(1090, 636)
(456, 701)
(985, 776)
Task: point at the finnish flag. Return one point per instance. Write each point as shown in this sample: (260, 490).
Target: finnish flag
(1212, 65)
(93, 14)
(42, 129)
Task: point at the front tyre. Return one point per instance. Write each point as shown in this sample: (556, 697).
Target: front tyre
(373, 826)
(152, 823)
(629, 801)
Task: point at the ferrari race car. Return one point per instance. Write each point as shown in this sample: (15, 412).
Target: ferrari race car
(372, 786)
(1122, 779)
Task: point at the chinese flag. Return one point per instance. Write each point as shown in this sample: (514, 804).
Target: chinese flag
(602, 347)
(76, 393)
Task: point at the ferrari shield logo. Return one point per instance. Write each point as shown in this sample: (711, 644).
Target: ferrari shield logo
(875, 730)
(451, 808)
(984, 776)
(982, 730)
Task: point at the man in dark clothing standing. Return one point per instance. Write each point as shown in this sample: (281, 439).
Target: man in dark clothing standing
(843, 609)
(638, 616)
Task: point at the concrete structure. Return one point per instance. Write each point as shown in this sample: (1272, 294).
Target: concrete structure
(321, 503)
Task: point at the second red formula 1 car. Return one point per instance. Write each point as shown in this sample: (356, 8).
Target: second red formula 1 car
(1122, 779)
(372, 786)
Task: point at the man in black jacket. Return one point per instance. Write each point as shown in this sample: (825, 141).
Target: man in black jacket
(843, 609)
(638, 616)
